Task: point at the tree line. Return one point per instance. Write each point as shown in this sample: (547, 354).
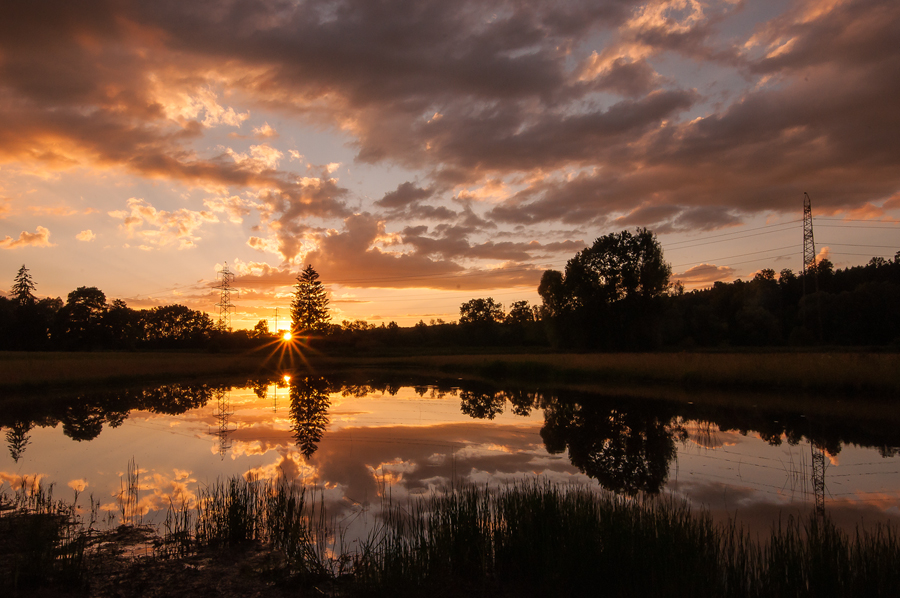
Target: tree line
(87, 321)
(615, 295)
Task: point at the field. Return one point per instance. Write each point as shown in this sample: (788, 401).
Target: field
(819, 372)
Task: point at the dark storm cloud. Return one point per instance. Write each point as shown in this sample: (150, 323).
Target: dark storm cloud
(405, 194)
(564, 95)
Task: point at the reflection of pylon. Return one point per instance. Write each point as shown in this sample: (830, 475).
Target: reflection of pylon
(818, 477)
(225, 305)
(222, 411)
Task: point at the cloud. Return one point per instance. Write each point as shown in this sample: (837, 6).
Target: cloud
(704, 274)
(39, 238)
(234, 207)
(673, 114)
(86, 235)
(265, 131)
(404, 195)
(166, 227)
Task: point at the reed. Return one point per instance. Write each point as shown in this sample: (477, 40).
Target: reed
(42, 540)
(530, 538)
(537, 539)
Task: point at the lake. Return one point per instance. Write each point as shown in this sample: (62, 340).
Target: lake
(362, 442)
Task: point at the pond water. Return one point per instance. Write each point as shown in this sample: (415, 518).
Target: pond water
(360, 443)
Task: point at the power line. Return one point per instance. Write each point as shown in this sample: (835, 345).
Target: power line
(733, 256)
(745, 236)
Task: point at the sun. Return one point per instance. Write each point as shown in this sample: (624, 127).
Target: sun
(286, 336)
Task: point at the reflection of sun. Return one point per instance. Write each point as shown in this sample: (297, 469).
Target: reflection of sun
(287, 378)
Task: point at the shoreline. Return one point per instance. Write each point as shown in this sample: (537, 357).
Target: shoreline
(822, 373)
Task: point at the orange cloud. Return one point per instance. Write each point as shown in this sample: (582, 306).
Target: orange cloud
(39, 238)
(704, 274)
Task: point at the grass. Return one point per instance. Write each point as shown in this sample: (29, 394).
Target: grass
(845, 372)
(818, 372)
(532, 538)
(36, 370)
(42, 540)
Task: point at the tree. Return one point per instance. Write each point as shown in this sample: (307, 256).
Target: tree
(309, 309)
(483, 312)
(520, 313)
(619, 266)
(610, 294)
(261, 330)
(177, 325)
(23, 287)
(81, 320)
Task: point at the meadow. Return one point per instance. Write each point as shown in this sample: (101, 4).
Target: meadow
(821, 372)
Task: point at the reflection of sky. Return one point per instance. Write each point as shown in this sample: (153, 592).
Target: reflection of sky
(381, 445)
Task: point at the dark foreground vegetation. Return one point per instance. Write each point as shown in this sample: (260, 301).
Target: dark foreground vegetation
(527, 539)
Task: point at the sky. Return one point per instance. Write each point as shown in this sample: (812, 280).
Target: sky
(422, 153)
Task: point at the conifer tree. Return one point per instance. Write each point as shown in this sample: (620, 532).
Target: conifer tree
(23, 287)
(309, 309)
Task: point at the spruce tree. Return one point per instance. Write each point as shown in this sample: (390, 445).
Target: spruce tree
(309, 309)
(23, 287)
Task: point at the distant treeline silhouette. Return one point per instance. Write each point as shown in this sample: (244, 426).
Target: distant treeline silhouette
(615, 295)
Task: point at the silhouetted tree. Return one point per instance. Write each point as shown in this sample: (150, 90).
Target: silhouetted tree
(22, 287)
(80, 321)
(309, 309)
(611, 293)
(520, 313)
(261, 330)
(309, 411)
(176, 325)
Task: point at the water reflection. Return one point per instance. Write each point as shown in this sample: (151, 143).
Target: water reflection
(625, 448)
(309, 411)
(419, 435)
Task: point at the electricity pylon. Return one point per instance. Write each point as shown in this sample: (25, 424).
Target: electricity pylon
(809, 243)
(225, 305)
(809, 266)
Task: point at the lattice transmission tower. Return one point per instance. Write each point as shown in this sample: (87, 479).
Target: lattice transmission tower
(222, 411)
(225, 277)
(809, 267)
(809, 243)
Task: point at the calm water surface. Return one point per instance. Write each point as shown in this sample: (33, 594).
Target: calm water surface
(360, 443)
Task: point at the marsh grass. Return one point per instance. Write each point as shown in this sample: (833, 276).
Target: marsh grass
(42, 540)
(286, 516)
(36, 370)
(531, 538)
(830, 372)
(539, 539)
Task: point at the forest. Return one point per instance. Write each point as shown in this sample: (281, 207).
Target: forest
(616, 295)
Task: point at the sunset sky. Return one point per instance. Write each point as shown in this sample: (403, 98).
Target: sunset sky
(422, 153)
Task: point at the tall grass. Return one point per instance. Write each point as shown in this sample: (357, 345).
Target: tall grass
(526, 539)
(283, 515)
(42, 540)
(538, 539)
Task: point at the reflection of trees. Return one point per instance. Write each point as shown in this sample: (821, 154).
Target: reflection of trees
(18, 438)
(482, 405)
(84, 416)
(309, 411)
(625, 449)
